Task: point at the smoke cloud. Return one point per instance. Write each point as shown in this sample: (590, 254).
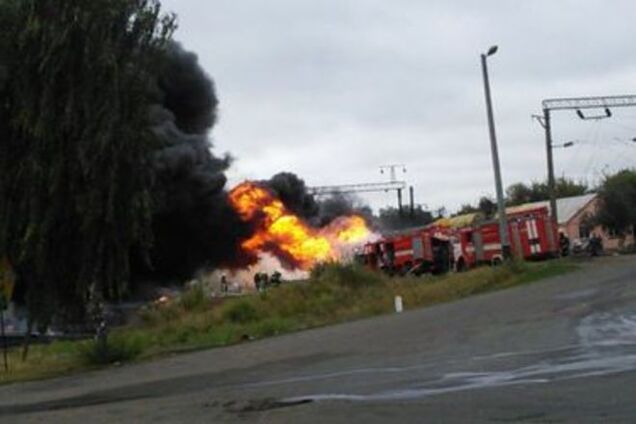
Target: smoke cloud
(294, 194)
(195, 225)
(343, 204)
(292, 191)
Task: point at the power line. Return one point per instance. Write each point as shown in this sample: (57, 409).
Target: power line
(577, 104)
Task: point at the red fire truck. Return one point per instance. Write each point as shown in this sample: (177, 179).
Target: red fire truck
(462, 242)
(531, 232)
(417, 250)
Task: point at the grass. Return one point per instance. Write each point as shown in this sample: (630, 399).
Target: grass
(334, 293)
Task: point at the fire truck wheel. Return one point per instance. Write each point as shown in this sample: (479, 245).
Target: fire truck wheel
(496, 261)
(407, 268)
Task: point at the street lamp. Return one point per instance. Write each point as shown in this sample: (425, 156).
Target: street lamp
(501, 210)
(564, 145)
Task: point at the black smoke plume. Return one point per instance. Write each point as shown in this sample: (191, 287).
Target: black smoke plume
(293, 192)
(194, 224)
(341, 204)
(295, 195)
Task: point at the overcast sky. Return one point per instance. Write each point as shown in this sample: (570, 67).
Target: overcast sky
(332, 89)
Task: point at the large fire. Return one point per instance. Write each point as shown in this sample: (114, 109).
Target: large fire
(287, 236)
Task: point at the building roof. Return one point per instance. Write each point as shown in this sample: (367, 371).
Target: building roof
(459, 220)
(567, 207)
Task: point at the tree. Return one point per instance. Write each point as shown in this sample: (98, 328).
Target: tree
(486, 206)
(466, 208)
(74, 156)
(617, 196)
(565, 187)
(520, 193)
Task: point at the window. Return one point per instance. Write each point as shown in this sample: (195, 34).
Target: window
(584, 231)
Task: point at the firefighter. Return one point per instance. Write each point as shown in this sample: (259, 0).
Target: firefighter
(257, 281)
(224, 286)
(564, 244)
(276, 279)
(595, 245)
(264, 280)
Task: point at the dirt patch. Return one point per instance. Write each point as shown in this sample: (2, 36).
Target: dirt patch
(260, 405)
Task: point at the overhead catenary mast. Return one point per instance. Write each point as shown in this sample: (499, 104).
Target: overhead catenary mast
(577, 104)
(392, 185)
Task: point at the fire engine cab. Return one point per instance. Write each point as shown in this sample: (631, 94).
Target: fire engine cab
(417, 251)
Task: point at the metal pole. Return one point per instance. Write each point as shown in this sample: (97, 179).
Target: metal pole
(548, 149)
(501, 210)
(399, 195)
(411, 201)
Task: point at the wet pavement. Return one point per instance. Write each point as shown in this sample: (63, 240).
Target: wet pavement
(561, 350)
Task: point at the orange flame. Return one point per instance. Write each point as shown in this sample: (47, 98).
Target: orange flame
(286, 235)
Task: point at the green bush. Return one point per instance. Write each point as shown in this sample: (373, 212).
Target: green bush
(317, 271)
(240, 311)
(516, 266)
(158, 314)
(349, 275)
(194, 299)
(271, 327)
(287, 301)
(116, 349)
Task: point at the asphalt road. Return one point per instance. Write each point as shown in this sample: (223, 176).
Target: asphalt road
(561, 350)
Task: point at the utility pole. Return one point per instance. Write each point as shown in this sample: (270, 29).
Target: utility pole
(393, 179)
(548, 147)
(391, 168)
(501, 210)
